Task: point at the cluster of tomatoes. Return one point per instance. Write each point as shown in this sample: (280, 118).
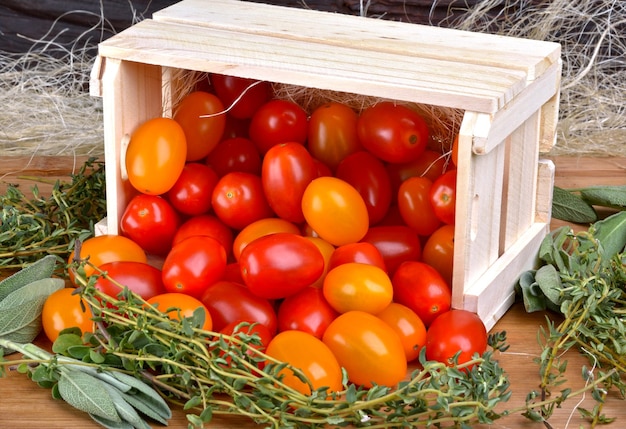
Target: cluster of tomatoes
(331, 230)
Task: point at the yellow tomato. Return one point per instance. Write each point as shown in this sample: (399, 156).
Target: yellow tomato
(356, 286)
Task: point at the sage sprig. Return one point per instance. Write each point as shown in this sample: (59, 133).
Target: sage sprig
(579, 205)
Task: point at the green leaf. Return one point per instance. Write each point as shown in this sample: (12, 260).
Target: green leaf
(571, 208)
(86, 393)
(124, 409)
(548, 279)
(41, 269)
(109, 424)
(606, 196)
(532, 301)
(64, 342)
(156, 401)
(611, 233)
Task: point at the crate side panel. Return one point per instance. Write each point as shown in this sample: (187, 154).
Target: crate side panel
(531, 56)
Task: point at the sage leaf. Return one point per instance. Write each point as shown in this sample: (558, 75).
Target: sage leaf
(548, 279)
(145, 405)
(156, 401)
(126, 412)
(606, 196)
(86, 393)
(109, 424)
(611, 233)
(41, 269)
(532, 301)
(571, 208)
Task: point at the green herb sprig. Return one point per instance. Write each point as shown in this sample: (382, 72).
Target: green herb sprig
(579, 205)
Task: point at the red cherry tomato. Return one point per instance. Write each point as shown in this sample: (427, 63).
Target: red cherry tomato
(362, 252)
(415, 207)
(306, 311)
(192, 192)
(396, 243)
(393, 133)
(332, 133)
(231, 302)
(421, 288)
(287, 170)
(260, 228)
(281, 264)
(368, 348)
(438, 252)
(278, 121)
(201, 115)
(235, 154)
(240, 95)
(409, 327)
(453, 332)
(151, 222)
(193, 264)
(430, 164)
(443, 196)
(238, 200)
(369, 177)
(139, 277)
(207, 225)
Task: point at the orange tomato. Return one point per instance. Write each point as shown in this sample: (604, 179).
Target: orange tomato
(438, 251)
(335, 210)
(454, 152)
(258, 229)
(309, 354)
(357, 286)
(156, 155)
(62, 310)
(409, 327)
(327, 250)
(368, 348)
(179, 305)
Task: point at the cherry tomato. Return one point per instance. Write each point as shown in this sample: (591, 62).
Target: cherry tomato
(438, 252)
(455, 331)
(201, 115)
(368, 348)
(232, 273)
(421, 288)
(156, 156)
(396, 243)
(62, 310)
(335, 210)
(430, 164)
(355, 286)
(207, 225)
(327, 250)
(392, 132)
(409, 327)
(306, 311)
(287, 170)
(193, 264)
(235, 128)
(260, 228)
(238, 200)
(278, 265)
(151, 222)
(231, 302)
(369, 177)
(180, 305)
(235, 154)
(318, 364)
(362, 252)
(454, 151)
(139, 277)
(278, 121)
(332, 133)
(240, 95)
(107, 248)
(415, 207)
(443, 196)
(191, 194)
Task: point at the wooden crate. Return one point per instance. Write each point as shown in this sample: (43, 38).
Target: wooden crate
(507, 89)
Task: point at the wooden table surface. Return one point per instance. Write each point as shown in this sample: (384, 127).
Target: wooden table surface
(24, 405)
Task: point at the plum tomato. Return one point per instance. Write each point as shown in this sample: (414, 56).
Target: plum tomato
(332, 133)
(363, 252)
(235, 154)
(454, 151)
(139, 277)
(306, 311)
(231, 302)
(438, 252)
(430, 164)
(287, 170)
(355, 286)
(260, 228)
(278, 121)
(335, 210)
(409, 327)
(238, 200)
(201, 115)
(421, 288)
(443, 196)
(151, 222)
(180, 305)
(317, 364)
(63, 310)
(156, 155)
(396, 243)
(368, 348)
(415, 207)
(278, 265)
(208, 225)
(242, 97)
(192, 192)
(369, 177)
(392, 132)
(455, 331)
(193, 264)
(327, 250)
